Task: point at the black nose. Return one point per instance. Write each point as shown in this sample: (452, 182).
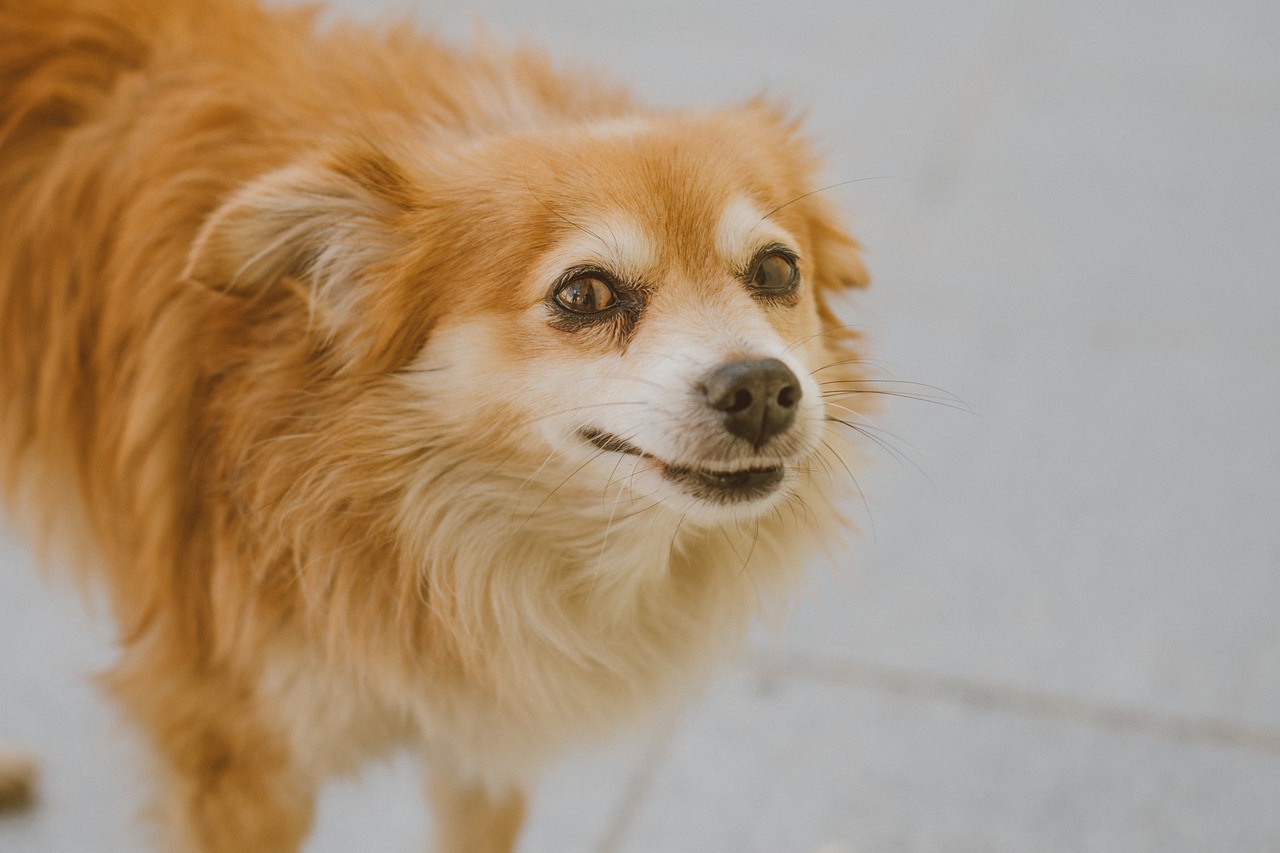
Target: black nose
(756, 399)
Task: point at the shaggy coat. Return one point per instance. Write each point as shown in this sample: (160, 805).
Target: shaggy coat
(279, 361)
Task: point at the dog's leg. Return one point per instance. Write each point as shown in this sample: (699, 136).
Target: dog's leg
(227, 783)
(470, 819)
(232, 791)
(16, 785)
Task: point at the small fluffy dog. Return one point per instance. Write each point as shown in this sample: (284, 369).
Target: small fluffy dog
(400, 397)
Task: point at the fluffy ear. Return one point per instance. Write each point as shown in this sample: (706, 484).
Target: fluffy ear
(837, 265)
(837, 257)
(325, 226)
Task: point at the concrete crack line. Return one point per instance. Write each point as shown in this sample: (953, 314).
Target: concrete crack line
(638, 788)
(972, 692)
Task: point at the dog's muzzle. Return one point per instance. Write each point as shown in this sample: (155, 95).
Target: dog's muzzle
(756, 399)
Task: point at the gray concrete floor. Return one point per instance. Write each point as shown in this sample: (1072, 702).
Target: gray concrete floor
(1060, 630)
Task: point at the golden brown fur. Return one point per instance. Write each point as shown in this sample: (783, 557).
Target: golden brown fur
(17, 781)
(271, 350)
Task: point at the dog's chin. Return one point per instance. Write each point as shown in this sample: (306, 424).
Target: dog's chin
(714, 492)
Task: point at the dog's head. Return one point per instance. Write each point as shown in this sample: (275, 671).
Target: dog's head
(640, 303)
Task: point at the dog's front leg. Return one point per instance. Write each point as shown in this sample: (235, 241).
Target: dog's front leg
(471, 819)
(227, 780)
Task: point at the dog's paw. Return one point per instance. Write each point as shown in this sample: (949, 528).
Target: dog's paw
(17, 781)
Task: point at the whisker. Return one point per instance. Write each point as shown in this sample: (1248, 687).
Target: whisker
(795, 515)
(869, 433)
(604, 541)
(545, 462)
(869, 362)
(675, 534)
(755, 539)
(919, 398)
(635, 379)
(562, 483)
(725, 533)
(564, 218)
(639, 512)
(583, 408)
(825, 189)
(844, 395)
(804, 504)
(943, 395)
(609, 482)
(831, 330)
(679, 358)
(872, 425)
(826, 466)
(866, 505)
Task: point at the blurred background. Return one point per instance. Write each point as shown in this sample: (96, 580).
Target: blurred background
(1060, 629)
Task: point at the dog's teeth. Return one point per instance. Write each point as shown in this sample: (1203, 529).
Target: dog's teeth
(737, 469)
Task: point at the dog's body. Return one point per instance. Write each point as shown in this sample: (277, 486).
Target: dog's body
(399, 397)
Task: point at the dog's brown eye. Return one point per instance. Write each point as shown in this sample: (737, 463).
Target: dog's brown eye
(586, 294)
(775, 273)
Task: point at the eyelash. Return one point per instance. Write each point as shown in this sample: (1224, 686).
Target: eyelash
(619, 320)
(787, 297)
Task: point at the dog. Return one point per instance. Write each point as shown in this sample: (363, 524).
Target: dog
(402, 397)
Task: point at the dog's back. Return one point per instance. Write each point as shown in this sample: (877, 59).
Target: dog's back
(123, 125)
(95, 193)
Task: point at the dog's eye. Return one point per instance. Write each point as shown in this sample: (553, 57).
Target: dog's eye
(774, 274)
(586, 294)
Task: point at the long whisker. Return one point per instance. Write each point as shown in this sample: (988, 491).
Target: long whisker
(564, 218)
(870, 424)
(869, 433)
(755, 539)
(832, 330)
(825, 189)
(804, 504)
(604, 541)
(844, 395)
(675, 534)
(639, 512)
(869, 362)
(545, 463)
(609, 482)
(826, 466)
(583, 408)
(638, 380)
(856, 485)
(944, 392)
(552, 493)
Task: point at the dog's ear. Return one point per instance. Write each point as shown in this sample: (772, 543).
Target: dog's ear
(837, 256)
(331, 228)
(837, 266)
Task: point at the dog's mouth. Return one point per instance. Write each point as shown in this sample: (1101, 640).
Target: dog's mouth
(717, 484)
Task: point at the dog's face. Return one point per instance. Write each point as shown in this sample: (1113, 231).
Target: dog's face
(638, 305)
(671, 349)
